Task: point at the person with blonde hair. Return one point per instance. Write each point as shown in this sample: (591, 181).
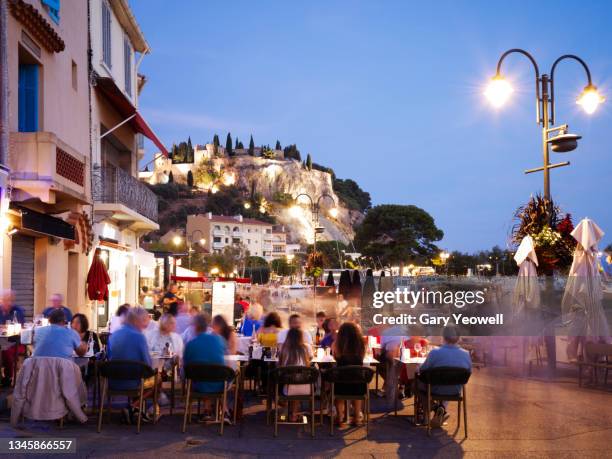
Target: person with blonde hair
(252, 321)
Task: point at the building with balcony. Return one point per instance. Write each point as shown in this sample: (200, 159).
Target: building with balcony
(124, 209)
(220, 231)
(49, 237)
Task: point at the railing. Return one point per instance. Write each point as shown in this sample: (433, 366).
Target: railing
(114, 185)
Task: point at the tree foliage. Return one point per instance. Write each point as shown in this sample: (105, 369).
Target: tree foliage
(308, 162)
(281, 267)
(189, 178)
(332, 252)
(205, 174)
(251, 146)
(228, 145)
(278, 145)
(292, 152)
(352, 195)
(182, 153)
(398, 234)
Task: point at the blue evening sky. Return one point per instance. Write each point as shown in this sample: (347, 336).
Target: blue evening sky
(389, 93)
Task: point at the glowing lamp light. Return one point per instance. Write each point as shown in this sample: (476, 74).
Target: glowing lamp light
(247, 205)
(176, 240)
(333, 212)
(214, 271)
(590, 99)
(214, 189)
(498, 91)
(202, 241)
(295, 211)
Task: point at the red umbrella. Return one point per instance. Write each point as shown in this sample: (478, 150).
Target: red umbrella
(97, 279)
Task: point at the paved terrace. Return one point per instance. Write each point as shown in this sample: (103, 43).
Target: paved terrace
(509, 416)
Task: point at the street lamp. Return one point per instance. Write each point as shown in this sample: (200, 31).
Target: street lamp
(500, 90)
(444, 256)
(315, 209)
(191, 237)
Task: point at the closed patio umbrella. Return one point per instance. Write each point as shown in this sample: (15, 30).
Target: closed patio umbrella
(582, 300)
(356, 285)
(526, 296)
(97, 279)
(344, 286)
(369, 287)
(330, 280)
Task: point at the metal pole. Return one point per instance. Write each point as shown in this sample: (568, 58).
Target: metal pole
(545, 126)
(4, 115)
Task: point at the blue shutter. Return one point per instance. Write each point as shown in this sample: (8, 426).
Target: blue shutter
(106, 35)
(28, 97)
(54, 9)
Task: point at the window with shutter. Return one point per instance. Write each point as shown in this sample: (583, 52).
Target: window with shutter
(106, 34)
(127, 56)
(28, 98)
(53, 8)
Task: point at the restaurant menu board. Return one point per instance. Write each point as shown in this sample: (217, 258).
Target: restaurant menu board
(223, 294)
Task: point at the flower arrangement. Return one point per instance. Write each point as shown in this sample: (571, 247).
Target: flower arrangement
(540, 218)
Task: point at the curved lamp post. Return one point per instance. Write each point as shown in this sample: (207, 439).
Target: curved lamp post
(315, 209)
(499, 91)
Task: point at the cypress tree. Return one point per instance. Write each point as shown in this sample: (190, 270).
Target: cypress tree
(228, 145)
(278, 146)
(308, 162)
(251, 146)
(237, 144)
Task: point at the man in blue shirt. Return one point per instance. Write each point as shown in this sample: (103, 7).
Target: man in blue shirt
(10, 311)
(59, 341)
(448, 355)
(205, 348)
(56, 303)
(129, 343)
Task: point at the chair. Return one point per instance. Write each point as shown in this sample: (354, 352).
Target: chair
(209, 373)
(125, 370)
(290, 375)
(596, 355)
(445, 376)
(350, 374)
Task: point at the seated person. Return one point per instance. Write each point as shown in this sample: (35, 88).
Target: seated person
(268, 333)
(56, 303)
(221, 328)
(448, 355)
(183, 317)
(10, 312)
(129, 343)
(117, 321)
(165, 337)
(59, 341)
(252, 320)
(80, 324)
(205, 348)
(349, 349)
(295, 322)
(331, 331)
(320, 331)
(294, 353)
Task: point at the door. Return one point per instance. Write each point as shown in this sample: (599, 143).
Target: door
(22, 272)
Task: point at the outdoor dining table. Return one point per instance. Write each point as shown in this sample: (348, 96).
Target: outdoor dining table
(412, 365)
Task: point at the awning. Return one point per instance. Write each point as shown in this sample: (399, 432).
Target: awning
(44, 224)
(124, 106)
(188, 279)
(144, 259)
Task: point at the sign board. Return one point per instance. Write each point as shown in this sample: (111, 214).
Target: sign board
(223, 294)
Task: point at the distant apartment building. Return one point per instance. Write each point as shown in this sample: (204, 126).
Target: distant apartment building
(221, 231)
(279, 242)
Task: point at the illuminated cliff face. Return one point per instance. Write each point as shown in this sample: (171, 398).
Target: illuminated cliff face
(274, 176)
(269, 177)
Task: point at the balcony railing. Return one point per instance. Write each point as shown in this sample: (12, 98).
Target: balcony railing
(114, 185)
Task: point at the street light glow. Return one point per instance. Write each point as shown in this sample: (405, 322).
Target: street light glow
(333, 212)
(177, 240)
(202, 241)
(590, 99)
(295, 211)
(498, 91)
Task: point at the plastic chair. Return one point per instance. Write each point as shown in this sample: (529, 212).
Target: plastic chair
(209, 373)
(291, 375)
(125, 370)
(445, 376)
